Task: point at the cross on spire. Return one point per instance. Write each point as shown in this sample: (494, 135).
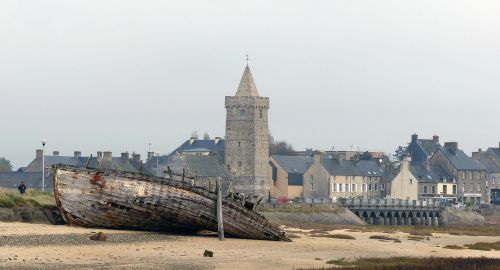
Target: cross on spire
(247, 58)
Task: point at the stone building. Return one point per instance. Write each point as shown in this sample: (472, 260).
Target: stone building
(470, 174)
(491, 161)
(334, 178)
(421, 182)
(247, 138)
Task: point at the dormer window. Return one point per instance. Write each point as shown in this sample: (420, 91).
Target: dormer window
(242, 112)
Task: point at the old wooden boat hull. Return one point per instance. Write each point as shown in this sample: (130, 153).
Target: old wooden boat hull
(112, 199)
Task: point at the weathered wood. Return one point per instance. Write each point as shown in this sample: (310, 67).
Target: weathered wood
(220, 221)
(113, 199)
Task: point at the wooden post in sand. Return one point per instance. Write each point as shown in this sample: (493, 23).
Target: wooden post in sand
(219, 210)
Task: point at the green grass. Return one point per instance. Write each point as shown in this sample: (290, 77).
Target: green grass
(385, 238)
(453, 247)
(408, 263)
(484, 246)
(32, 199)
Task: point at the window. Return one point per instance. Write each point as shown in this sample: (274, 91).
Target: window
(454, 189)
(478, 187)
(311, 185)
(334, 187)
(260, 113)
(242, 112)
(463, 175)
(346, 187)
(471, 187)
(411, 181)
(470, 175)
(363, 187)
(375, 187)
(425, 189)
(445, 189)
(239, 144)
(382, 186)
(340, 187)
(353, 188)
(239, 163)
(433, 189)
(478, 175)
(370, 187)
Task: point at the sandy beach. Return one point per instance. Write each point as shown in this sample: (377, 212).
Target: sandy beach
(24, 246)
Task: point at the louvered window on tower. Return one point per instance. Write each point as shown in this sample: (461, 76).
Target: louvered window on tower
(242, 112)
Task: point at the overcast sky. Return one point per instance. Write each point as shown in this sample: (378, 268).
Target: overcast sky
(95, 75)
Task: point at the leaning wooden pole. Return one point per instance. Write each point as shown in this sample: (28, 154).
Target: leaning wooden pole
(220, 222)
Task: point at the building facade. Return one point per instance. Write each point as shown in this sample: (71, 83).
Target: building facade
(470, 175)
(246, 149)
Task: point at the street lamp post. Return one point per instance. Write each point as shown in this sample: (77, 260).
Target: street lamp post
(157, 153)
(44, 142)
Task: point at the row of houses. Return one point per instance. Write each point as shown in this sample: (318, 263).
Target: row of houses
(428, 170)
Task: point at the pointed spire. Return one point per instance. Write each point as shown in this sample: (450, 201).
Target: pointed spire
(247, 85)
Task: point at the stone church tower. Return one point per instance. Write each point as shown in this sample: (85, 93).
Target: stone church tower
(247, 138)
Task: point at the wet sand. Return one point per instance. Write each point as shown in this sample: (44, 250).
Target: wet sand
(24, 246)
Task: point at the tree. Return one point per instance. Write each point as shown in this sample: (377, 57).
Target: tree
(5, 165)
(206, 136)
(399, 153)
(365, 156)
(280, 147)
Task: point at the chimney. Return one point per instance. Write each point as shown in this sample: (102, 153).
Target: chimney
(125, 155)
(39, 154)
(317, 156)
(435, 138)
(453, 146)
(216, 140)
(414, 138)
(77, 154)
(136, 157)
(99, 155)
(55, 153)
(498, 144)
(151, 155)
(107, 155)
(191, 140)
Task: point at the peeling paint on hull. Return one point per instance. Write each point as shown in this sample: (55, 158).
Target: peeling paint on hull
(113, 199)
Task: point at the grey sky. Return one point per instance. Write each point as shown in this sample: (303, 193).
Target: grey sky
(114, 75)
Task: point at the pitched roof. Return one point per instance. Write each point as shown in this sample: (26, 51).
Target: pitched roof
(116, 163)
(247, 85)
(352, 167)
(490, 165)
(495, 151)
(431, 174)
(460, 160)
(429, 146)
(294, 164)
(31, 179)
(196, 145)
(205, 166)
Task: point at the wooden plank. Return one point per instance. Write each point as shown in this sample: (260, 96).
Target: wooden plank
(220, 221)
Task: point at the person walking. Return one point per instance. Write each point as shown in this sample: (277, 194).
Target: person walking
(22, 188)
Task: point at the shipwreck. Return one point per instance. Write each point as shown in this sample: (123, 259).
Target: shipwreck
(124, 200)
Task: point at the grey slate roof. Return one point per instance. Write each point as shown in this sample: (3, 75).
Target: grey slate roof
(495, 151)
(352, 167)
(31, 179)
(202, 145)
(490, 165)
(433, 174)
(197, 165)
(429, 146)
(294, 164)
(117, 163)
(460, 160)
